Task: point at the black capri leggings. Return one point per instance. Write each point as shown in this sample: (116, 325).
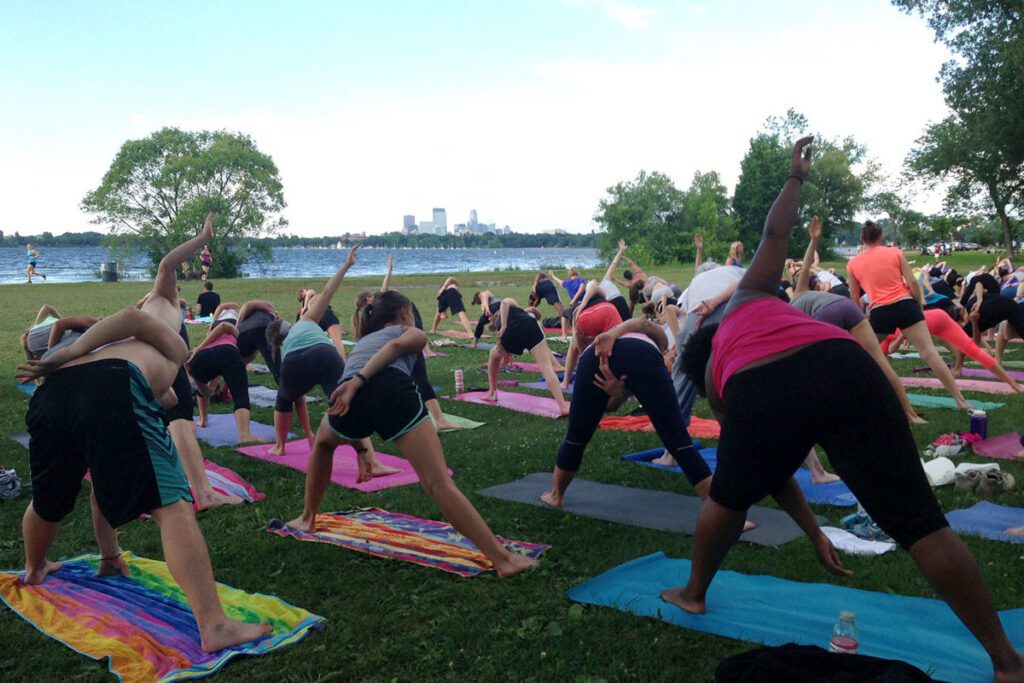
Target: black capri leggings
(303, 369)
(648, 380)
(223, 361)
(772, 420)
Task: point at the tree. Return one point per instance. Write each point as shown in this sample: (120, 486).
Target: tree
(159, 189)
(706, 210)
(645, 212)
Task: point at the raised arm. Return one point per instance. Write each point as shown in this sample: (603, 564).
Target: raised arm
(411, 340)
(615, 261)
(316, 308)
(65, 324)
(814, 230)
(908, 277)
(444, 286)
(551, 274)
(385, 285)
(698, 242)
(506, 305)
(763, 274)
(253, 306)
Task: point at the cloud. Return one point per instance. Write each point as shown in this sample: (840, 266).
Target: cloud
(631, 16)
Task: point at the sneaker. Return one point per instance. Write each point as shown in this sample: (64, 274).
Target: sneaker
(967, 481)
(861, 525)
(995, 482)
(10, 484)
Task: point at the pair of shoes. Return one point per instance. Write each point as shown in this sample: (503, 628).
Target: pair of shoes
(861, 525)
(967, 481)
(994, 482)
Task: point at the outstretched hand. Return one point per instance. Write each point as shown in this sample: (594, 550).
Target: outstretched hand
(698, 241)
(801, 161)
(828, 557)
(814, 229)
(622, 245)
(208, 224)
(31, 370)
(351, 260)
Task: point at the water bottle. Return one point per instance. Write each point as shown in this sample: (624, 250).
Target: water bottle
(979, 423)
(845, 637)
(460, 382)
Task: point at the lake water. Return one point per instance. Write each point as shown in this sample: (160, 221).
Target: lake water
(82, 264)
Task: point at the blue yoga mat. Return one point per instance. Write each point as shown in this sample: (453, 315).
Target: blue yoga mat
(988, 520)
(927, 401)
(836, 493)
(773, 611)
(221, 430)
(27, 388)
(543, 386)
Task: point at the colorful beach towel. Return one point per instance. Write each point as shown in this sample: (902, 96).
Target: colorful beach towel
(988, 520)
(772, 611)
(964, 385)
(543, 406)
(221, 430)
(396, 536)
(142, 622)
(700, 428)
(926, 401)
(834, 493)
(229, 483)
(201, 320)
(344, 471)
(1004, 446)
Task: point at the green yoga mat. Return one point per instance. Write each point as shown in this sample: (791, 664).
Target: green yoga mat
(463, 422)
(924, 401)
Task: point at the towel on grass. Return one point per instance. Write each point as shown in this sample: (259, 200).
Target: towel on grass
(21, 438)
(221, 430)
(463, 422)
(26, 387)
(265, 397)
(142, 622)
(229, 483)
(201, 320)
(988, 520)
(855, 545)
(835, 493)
(396, 536)
(1004, 446)
(963, 384)
(926, 401)
(542, 406)
(258, 369)
(700, 428)
(772, 611)
(344, 471)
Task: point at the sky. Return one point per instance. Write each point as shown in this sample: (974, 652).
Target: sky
(526, 111)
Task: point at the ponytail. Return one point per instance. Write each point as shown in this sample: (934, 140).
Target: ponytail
(386, 308)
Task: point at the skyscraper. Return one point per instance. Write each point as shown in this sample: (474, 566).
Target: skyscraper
(472, 218)
(440, 222)
(408, 223)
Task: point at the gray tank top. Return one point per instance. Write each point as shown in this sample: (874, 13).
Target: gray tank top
(366, 347)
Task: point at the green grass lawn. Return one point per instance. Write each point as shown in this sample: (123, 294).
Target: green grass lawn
(389, 620)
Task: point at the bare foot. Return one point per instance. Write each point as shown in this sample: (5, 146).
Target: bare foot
(748, 525)
(1012, 674)
(916, 419)
(1015, 531)
(251, 438)
(824, 478)
(446, 426)
(113, 566)
(515, 564)
(378, 470)
(964, 405)
(490, 397)
(303, 523)
(677, 597)
(551, 498)
(1019, 455)
(230, 633)
(204, 422)
(211, 499)
(34, 577)
(563, 409)
(665, 459)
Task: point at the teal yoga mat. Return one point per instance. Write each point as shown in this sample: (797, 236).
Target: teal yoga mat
(773, 611)
(926, 401)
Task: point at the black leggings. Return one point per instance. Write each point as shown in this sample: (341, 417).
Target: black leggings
(223, 361)
(303, 369)
(649, 381)
(255, 339)
(994, 310)
(772, 419)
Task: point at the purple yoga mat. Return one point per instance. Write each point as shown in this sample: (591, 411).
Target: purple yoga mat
(1005, 446)
(344, 472)
(964, 384)
(982, 372)
(521, 403)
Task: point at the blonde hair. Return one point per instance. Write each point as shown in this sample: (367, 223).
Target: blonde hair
(574, 271)
(735, 248)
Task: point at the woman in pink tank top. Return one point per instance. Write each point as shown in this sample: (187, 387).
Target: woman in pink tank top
(765, 369)
(896, 302)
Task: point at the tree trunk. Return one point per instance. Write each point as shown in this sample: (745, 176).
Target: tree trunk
(1007, 236)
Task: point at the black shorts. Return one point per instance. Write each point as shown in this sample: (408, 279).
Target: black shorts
(897, 315)
(329, 319)
(622, 307)
(101, 417)
(252, 333)
(521, 336)
(183, 390)
(389, 405)
(771, 422)
(450, 300)
(546, 290)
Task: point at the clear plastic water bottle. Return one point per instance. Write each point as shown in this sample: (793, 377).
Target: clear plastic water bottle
(845, 638)
(460, 382)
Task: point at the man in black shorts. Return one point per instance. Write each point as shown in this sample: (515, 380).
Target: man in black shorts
(449, 301)
(208, 301)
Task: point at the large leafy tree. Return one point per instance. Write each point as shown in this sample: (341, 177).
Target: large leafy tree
(706, 209)
(159, 189)
(978, 151)
(645, 212)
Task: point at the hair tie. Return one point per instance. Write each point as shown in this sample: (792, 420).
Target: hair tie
(369, 310)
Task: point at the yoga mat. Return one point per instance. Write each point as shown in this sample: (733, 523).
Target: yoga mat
(455, 334)
(773, 611)
(1018, 364)
(265, 397)
(1003, 446)
(463, 422)
(835, 493)
(543, 386)
(988, 520)
(964, 385)
(982, 372)
(433, 354)
(229, 483)
(659, 510)
(700, 428)
(201, 320)
(222, 431)
(21, 438)
(142, 622)
(924, 401)
(543, 406)
(395, 536)
(344, 471)
(26, 388)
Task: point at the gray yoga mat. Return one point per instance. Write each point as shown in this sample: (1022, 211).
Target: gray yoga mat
(21, 437)
(660, 510)
(265, 397)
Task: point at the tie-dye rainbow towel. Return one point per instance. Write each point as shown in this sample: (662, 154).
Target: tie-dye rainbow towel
(142, 622)
(392, 535)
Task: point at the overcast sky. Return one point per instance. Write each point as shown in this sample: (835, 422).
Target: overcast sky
(526, 111)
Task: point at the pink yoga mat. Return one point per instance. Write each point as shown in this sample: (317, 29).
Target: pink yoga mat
(521, 403)
(964, 384)
(344, 472)
(1005, 446)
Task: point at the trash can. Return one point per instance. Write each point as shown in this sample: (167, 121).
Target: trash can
(108, 271)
